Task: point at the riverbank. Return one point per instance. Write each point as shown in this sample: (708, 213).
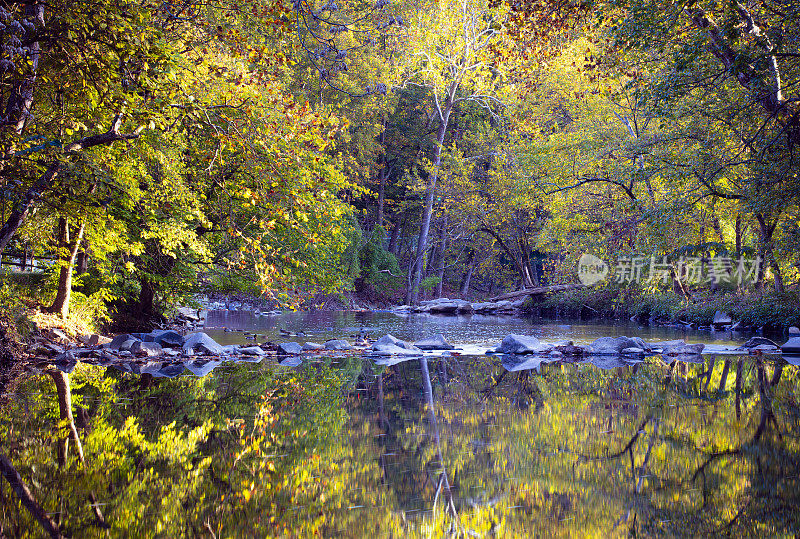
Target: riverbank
(765, 310)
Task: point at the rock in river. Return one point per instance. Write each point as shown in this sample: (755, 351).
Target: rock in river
(522, 344)
(201, 342)
(437, 342)
(390, 345)
(337, 344)
(289, 348)
(615, 345)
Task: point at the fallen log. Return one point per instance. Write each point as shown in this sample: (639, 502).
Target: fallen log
(537, 291)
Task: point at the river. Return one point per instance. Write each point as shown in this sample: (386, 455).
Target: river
(456, 445)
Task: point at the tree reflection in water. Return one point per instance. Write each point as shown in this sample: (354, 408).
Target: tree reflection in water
(451, 446)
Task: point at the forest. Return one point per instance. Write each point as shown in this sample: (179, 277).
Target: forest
(355, 154)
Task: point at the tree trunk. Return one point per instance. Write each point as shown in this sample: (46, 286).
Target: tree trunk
(27, 499)
(412, 295)
(768, 256)
(465, 280)
(442, 254)
(69, 250)
(394, 240)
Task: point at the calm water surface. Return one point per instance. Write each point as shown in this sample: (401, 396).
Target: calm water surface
(454, 446)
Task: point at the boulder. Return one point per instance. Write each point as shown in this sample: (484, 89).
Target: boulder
(171, 370)
(201, 342)
(201, 367)
(522, 344)
(794, 331)
(289, 348)
(292, 362)
(680, 348)
(792, 346)
(149, 349)
(753, 342)
(55, 334)
(515, 363)
(311, 346)
(164, 337)
(615, 345)
(128, 345)
(252, 351)
(389, 339)
(337, 344)
(437, 342)
(230, 349)
(633, 350)
(117, 341)
(765, 349)
(393, 350)
(98, 340)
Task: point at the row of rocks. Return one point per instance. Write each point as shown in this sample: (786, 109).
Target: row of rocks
(460, 306)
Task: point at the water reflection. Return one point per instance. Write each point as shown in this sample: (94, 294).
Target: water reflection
(444, 446)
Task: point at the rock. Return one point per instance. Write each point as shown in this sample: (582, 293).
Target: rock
(514, 362)
(522, 344)
(53, 349)
(127, 346)
(794, 331)
(337, 344)
(437, 342)
(753, 342)
(117, 341)
(149, 349)
(202, 367)
(391, 340)
(188, 313)
(392, 350)
(172, 370)
(289, 348)
(311, 346)
(792, 346)
(230, 349)
(98, 340)
(55, 334)
(615, 345)
(164, 337)
(721, 319)
(633, 350)
(292, 362)
(201, 342)
(765, 349)
(252, 351)
(680, 348)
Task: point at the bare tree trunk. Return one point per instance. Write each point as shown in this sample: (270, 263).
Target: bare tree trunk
(464, 288)
(394, 240)
(412, 295)
(442, 255)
